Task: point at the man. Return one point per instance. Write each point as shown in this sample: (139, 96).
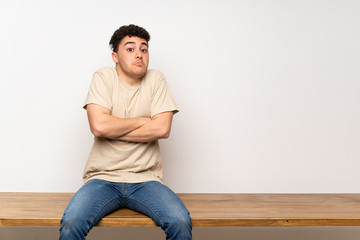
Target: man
(129, 108)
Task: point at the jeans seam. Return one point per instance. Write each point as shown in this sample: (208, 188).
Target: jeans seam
(155, 213)
(102, 207)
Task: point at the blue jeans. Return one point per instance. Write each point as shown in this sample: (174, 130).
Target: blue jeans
(97, 198)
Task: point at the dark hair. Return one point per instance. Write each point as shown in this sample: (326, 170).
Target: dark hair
(130, 31)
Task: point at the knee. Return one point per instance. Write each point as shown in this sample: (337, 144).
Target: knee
(183, 223)
(179, 226)
(73, 225)
(71, 220)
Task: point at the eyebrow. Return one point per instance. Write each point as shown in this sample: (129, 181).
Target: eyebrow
(143, 43)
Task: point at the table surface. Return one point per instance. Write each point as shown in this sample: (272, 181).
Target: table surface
(206, 210)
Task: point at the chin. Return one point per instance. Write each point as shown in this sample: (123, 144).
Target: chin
(140, 74)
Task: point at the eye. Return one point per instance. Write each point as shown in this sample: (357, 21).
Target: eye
(130, 49)
(144, 50)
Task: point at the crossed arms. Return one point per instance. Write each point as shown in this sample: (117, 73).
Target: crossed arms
(140, 129)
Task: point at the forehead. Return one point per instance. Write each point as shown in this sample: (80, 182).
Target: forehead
(133, 40)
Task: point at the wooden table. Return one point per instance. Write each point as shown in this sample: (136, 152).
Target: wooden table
(207, 210)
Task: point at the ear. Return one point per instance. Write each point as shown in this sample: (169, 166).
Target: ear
(115, 57)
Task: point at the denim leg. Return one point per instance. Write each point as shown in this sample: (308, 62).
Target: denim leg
(161, 204)
(89, 205)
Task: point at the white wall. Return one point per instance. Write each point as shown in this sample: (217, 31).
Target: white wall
(268, 91)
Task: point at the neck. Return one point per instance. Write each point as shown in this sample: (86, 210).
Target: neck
(131, 80)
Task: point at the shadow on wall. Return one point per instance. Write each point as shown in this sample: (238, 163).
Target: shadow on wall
(245, 233)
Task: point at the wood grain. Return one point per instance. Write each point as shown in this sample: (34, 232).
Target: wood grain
(206, 210)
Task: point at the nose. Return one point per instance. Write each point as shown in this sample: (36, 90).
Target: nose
(138, 54)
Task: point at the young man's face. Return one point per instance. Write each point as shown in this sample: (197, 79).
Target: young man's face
(132, 57)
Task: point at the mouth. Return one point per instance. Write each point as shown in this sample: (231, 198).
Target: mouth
(139, 63)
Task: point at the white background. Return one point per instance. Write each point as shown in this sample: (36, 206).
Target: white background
(268, 91)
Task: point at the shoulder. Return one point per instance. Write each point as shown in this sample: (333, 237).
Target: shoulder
(105, 75)
(107, 72)
(154, 76)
